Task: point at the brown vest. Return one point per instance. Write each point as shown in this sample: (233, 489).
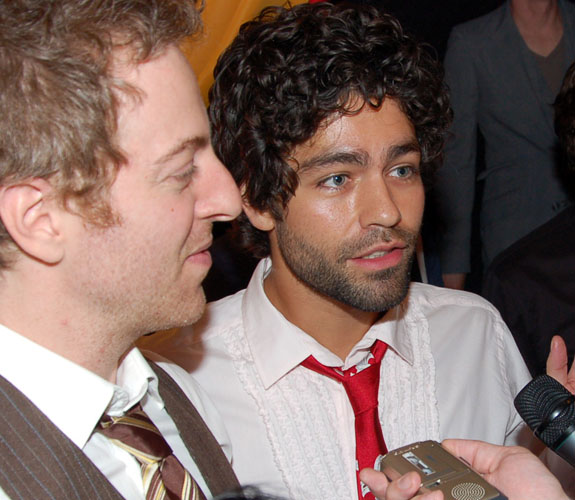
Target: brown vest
(38, 461)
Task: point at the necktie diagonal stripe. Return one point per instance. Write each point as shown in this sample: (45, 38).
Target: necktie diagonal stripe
(163, 475)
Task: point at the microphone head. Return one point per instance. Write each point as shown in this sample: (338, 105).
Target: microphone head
(547, 408)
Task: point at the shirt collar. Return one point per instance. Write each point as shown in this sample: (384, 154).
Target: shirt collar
(278, 346)
(134, 379)
(72, 397)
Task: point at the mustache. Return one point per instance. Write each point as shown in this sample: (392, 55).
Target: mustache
(377, 235)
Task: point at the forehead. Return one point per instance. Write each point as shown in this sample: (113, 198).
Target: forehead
(370, 130)
(167, 110)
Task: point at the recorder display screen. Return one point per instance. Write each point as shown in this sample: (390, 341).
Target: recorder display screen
(420, 464)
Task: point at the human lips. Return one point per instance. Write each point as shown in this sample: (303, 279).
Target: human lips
(380, 250)
(380, 257)
(204, 247)
(201, 255)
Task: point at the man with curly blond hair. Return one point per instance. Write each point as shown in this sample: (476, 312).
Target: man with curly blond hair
(108, 190)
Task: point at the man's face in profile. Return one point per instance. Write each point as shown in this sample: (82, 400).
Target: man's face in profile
(148, 269)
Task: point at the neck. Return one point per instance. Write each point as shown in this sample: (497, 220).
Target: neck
(48, 319)
(334, 325)
(539, 23)
(534, 11)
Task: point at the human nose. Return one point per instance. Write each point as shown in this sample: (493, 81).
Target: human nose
(377, 205)
(221, 200)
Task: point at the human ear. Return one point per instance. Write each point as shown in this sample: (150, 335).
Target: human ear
(261, 220)
(31, 216)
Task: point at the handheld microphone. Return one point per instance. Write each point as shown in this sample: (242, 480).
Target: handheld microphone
(549, 410)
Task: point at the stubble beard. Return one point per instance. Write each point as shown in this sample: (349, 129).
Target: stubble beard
(373, 292)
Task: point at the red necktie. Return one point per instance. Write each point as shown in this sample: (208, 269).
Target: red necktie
(163, 475)
(361, 383)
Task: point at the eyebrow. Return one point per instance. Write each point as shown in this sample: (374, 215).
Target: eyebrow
(196, 142)
(399, 150)
(360, 158)
(330, 158)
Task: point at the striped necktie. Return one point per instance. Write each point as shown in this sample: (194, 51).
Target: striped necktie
(361, 384)
(163, 475)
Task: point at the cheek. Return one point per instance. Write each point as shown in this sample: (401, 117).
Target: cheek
(160, 229)
(173, 215)
(412, 204)
(320, 217)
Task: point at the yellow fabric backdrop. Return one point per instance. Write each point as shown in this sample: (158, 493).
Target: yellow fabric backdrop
(222, 20)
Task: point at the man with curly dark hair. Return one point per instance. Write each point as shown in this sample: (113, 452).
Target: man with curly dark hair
(329, 118)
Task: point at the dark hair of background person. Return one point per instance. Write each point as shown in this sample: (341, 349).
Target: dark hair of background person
(289, 70)
(59, 93)
(564, 107)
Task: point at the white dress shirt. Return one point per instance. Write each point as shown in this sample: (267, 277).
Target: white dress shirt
(452, 370)
(75, 399)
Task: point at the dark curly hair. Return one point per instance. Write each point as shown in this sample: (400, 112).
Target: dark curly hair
(288, 70)
(565, 115)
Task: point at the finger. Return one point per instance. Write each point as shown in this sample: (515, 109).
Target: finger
(483, 457)
(571, 379)
(404, 488)
(375, 481)
(557, 364)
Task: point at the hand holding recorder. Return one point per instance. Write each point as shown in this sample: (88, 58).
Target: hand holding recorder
(514, 471)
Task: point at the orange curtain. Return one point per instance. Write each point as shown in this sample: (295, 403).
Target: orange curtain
(222, 20)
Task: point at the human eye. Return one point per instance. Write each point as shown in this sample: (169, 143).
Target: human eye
(404, 171)
(335, 181)
(186, 175)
